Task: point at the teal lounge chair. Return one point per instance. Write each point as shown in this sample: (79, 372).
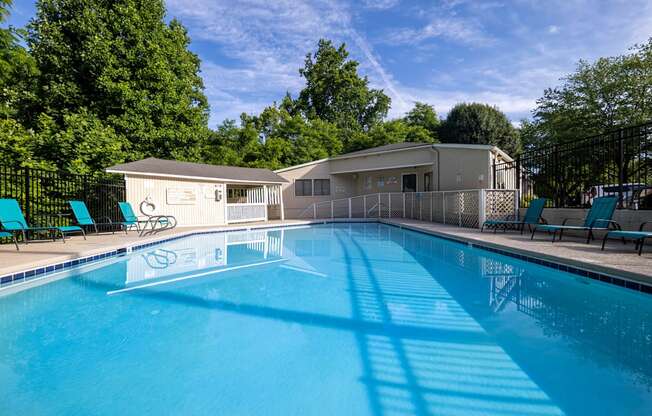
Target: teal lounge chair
(598, 218)
(13, 221)
(9, 235)
(164, 222)
(130, 219)
(83, 217)
(638, 237)
(532, 217)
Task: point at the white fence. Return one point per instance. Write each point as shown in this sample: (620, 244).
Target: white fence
(465, 208)
(246, 212)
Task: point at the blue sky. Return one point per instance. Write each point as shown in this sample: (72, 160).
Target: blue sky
(504, 53)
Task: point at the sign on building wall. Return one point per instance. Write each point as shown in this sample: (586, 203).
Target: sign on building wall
(181, 196)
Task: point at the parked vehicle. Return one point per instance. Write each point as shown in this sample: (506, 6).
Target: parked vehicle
(634, 195)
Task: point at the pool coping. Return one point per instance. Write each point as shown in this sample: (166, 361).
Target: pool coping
(608, 275)
(620, 278)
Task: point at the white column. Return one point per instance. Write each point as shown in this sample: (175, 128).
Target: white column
(280, 198)
(265, 200)
(482, 214)
(379, 211)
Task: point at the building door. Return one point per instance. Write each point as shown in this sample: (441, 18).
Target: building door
(427, 181)
(409, 182)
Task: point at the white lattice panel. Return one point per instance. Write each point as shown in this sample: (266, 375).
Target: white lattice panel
(500, 203)
(396, 203)
(357, 207)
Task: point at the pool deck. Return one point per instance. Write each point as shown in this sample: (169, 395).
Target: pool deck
(617, 259)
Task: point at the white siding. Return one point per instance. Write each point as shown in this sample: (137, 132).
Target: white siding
(204, 211)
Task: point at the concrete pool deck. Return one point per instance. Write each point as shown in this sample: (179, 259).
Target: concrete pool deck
(617, 260)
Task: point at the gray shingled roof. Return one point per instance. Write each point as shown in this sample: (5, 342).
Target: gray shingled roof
(385, 148)
(198, 170)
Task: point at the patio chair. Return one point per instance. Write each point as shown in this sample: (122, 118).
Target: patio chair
(638, 236)
(10, 235)
(13, 222)
(83, 217)
(598, 218)
(532, 217)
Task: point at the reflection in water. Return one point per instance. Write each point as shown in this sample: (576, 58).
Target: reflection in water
(203, 253)
(337, 319)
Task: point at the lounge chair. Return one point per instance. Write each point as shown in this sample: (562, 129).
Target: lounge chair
(9, 235)
(598, 218)
(638, 236)
(83, 217)
(131, 220)
(13, 222)
(532, 217)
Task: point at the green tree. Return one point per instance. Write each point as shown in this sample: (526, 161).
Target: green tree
(474, 123)
(17, 72)
(335, 93)
(599, 96)
(424, 115)
(118, 69)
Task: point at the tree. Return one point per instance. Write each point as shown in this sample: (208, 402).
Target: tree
(604, 95)
(335, 93)
(117, 68)
(424, 115)
(474, 123)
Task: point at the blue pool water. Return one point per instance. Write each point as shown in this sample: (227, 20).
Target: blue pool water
(345, 319)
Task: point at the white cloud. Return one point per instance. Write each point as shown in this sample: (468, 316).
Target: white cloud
(267, 42)
(552, 29)
(451, 28)
(381, 4)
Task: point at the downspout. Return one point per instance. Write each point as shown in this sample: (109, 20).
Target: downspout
(438, 169)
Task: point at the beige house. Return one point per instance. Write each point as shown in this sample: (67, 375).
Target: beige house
(399, 167)
(199, 194)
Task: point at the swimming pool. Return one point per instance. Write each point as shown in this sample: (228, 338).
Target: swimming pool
(339, 319)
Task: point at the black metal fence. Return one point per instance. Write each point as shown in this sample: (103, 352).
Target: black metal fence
(43, 195)
(570, 175)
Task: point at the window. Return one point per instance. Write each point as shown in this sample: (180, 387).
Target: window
(427, 181)
(303, 187)
(409, 181)
(322, 186)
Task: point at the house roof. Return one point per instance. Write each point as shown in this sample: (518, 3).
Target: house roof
(397, 147)
(188, 170)
(382, 149)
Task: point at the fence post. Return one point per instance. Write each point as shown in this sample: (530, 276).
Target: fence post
(482, 207)
(518, 173)
(443, 206)
(332, 216)
(27, 204)
(403, 204)
(389, 205)
(493, 173)
(621, 168)
(379, 211)
(314, 211)
(364, 205)
(349, 207)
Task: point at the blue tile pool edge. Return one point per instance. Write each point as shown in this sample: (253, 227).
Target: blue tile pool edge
(602, 277)
(10, 280)
(41, 272)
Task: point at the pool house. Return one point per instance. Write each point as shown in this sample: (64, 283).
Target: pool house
(202, 195)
